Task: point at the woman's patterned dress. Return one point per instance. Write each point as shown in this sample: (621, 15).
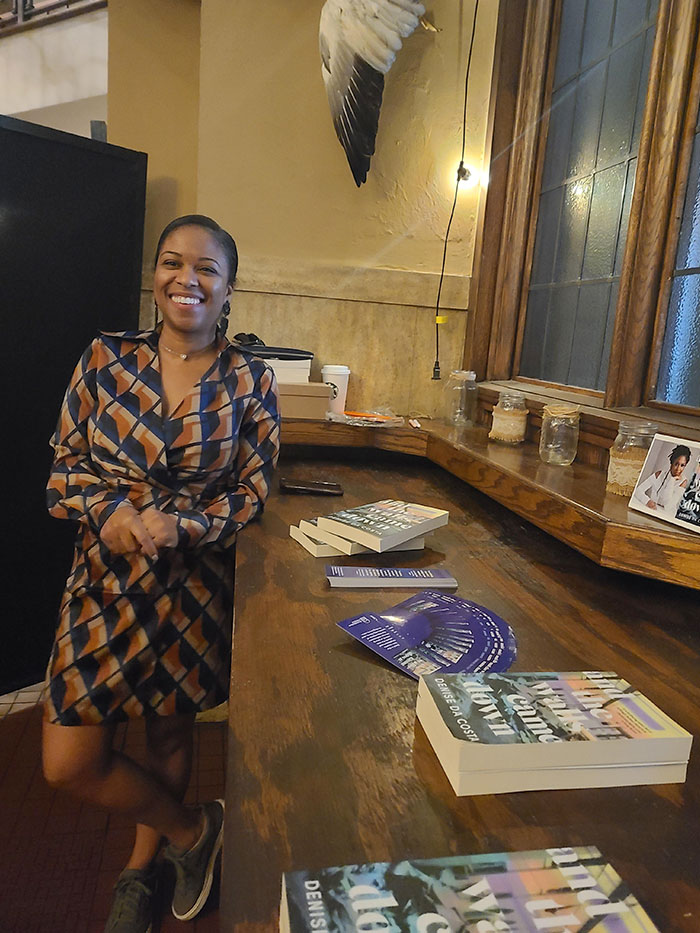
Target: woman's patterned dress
(140, 636)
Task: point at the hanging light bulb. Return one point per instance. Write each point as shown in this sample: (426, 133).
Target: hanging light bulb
(467, 177)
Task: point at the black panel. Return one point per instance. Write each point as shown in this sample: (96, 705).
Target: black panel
(71, 240)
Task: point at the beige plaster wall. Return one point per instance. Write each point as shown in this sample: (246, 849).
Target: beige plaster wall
(348, 273)
(153, 100)
(389, 348)
(62, 62)
(271, 167)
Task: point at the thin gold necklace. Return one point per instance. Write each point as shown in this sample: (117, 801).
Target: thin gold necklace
(186, 356)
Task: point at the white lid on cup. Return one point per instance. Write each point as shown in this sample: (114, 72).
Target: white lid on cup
(335, 370)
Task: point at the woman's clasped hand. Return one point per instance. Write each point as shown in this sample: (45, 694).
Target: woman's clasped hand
(127, 531)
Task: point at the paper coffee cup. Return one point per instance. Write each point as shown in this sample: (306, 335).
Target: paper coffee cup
(336, 376)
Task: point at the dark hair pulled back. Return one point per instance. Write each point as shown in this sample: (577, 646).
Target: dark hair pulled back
(679, 451)
(222, 237)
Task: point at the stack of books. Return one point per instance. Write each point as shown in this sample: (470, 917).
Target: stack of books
(388, 525)
(562, 890)
(496, 733)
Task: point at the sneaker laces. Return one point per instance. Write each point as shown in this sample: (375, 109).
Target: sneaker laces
(132, 894)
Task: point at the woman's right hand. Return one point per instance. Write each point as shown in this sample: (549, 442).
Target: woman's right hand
(125, 533)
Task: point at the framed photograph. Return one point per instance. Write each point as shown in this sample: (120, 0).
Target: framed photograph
(669, 484)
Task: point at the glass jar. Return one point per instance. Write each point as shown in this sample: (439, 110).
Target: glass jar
(559, 434)
(627, 455)
(509, 418)
(462, 392)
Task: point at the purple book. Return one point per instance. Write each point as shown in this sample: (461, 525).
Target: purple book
(435, 631)
(416, 577)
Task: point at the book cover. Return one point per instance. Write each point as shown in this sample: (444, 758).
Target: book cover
(544, 719)
(415, 577)
(562, 890)
(434, 631)
(384, 524)
(344, 546)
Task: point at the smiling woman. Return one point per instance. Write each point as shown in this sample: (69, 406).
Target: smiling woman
(164, 451)
(195, 268)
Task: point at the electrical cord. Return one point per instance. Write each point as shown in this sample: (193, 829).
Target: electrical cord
(462, 173)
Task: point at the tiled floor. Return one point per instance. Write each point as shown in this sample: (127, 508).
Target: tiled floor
(59, 858)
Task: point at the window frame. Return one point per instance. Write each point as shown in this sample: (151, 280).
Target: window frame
(525, 58)
(690, 127)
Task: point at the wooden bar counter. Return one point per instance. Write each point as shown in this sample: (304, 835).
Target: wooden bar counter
(326, 763)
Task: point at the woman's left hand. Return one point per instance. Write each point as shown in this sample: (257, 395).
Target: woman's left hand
(161, 526)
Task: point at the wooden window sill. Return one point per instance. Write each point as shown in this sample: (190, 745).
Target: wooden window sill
(603, 421)
(570, 503)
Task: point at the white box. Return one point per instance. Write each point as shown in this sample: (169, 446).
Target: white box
(291, 371)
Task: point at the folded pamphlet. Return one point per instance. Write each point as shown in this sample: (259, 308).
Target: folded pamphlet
(434, 631)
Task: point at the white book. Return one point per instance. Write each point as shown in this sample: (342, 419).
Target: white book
(383, 525)
(311, 528)
(471, 783)
(313, 545)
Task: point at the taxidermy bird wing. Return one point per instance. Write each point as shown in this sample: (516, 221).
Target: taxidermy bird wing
(359, 40)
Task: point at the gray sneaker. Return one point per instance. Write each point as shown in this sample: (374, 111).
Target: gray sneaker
(132, 907)
(194, 869)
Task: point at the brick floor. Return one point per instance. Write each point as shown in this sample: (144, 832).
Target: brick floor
(60, 857)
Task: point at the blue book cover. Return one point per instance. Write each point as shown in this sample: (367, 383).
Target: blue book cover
(435, 631)
(416, 577)
(563, 890)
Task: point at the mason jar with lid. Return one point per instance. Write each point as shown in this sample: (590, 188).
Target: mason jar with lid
(559, 434)
(627, 455)
(461, 391)
(509, 418)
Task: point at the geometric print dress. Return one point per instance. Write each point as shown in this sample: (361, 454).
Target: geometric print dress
(140, 636)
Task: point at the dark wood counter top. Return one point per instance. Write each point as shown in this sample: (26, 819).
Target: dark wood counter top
(326, 764)
(569, 503)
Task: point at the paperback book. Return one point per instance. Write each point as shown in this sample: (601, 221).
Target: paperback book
(313, 545)
(408, 577)
(384, 524)
(475, 783)
(434, 631)
(310, 528)
(563, 890)
(530, 723)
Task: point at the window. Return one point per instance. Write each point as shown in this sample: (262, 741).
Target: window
(597, 104)
(679, 370)
(589, 275)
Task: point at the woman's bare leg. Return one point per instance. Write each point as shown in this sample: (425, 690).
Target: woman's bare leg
(81, 760)
(169, 759)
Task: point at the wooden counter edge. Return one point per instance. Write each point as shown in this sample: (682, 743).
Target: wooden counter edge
(660, 554)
